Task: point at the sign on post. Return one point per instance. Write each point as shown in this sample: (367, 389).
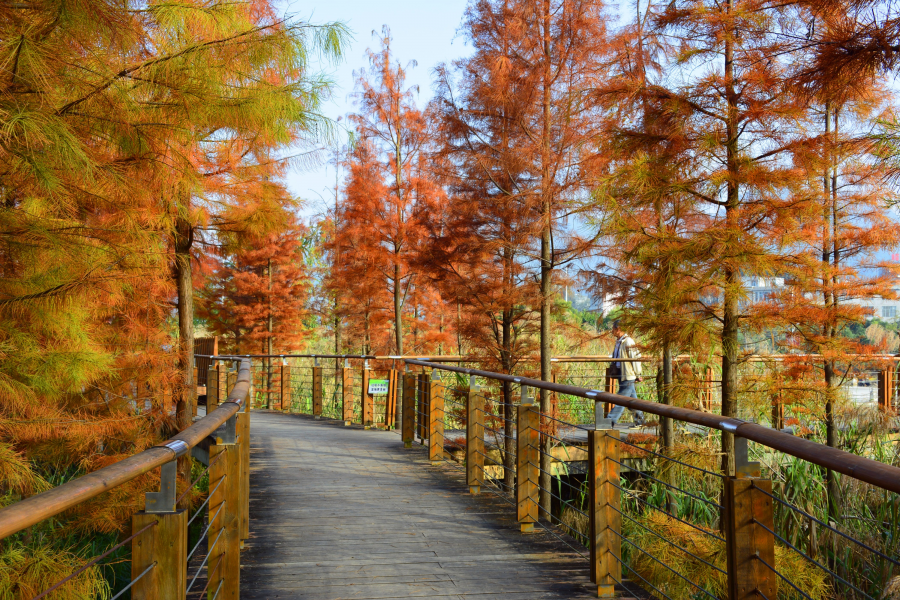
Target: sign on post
(378, 387)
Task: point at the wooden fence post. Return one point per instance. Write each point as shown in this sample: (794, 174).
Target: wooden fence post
(317, 391)
(528, 439)
(408, 425)
(368, 401)
(435, 418)
(603, 509)
(164, 544)
(474, 437)
(284, 393)
(611, 387)
(224, 536)
(347, 393)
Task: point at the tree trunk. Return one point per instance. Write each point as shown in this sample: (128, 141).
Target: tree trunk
(269, 339)
(829, 280)
(398, 316)
(183, 240)
(546, 263)
(730, 315)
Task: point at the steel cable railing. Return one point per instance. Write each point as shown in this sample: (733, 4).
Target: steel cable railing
(676, 515)
(226, 428)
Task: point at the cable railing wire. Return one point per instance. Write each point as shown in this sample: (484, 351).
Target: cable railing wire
(669, 458)
(825, 525)
(785, 579)
(93, 562)
(205, 531)
(205, 558)
(665, 512)
(134, 581)
(669, 485)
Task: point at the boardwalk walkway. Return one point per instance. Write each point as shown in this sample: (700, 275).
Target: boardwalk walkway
(339, 512)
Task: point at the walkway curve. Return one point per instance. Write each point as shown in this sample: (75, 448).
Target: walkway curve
(345, 513)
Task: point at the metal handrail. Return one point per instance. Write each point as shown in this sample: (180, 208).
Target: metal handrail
(33, 510)
(864, 469)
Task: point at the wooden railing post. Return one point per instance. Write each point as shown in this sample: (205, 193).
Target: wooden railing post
(284, 395)
(409, 409)
(436, 418)
(748, 512)
(474, 437)
(423, 410)
(603, 509)
(528, 439)
(347, 393)
(886, 389)
(317, 390)
(224, 536)
(165, 543)
(390, 403)
(212, 388)
(243, 429)
(611, 387)
(368, 401)
(777, 411)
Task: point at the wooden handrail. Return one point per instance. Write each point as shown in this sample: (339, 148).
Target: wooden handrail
(870, 471)
(33, 510)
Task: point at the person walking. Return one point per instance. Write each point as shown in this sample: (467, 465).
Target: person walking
(629, 373)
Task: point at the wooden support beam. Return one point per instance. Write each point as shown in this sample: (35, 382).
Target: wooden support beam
(528, 439)
(747, 513)
(285, 399)
(164, 544)
(611, 387)
(409, 409)
(603, 510)
(474, 437)
(346, 394)
(224, 537)
(436, 417)
(368, 401)
(317, 391)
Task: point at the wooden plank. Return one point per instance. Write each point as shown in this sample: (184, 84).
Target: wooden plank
(166, 545)
(474, 437)
(309, 541)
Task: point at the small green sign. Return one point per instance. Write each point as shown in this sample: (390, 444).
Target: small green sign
(378, 387)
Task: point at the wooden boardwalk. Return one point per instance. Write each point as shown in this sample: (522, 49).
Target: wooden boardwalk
(339, 512)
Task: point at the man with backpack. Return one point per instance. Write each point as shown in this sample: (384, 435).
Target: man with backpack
(627, 372)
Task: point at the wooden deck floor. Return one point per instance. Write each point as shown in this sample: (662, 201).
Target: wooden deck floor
(339, 512)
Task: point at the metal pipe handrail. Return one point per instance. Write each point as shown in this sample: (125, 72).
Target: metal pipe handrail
(870, 471)
(33, 510)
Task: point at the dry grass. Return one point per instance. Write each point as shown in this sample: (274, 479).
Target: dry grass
(26, 572)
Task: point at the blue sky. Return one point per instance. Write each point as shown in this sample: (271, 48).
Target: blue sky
(423, 30)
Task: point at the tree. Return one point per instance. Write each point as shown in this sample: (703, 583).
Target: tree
(390, 121)
(740, 125)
